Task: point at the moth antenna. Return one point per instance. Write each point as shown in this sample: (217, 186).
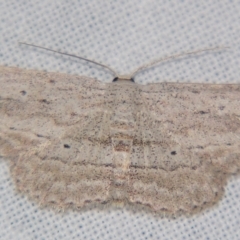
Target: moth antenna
(156, 61)
(72, 55)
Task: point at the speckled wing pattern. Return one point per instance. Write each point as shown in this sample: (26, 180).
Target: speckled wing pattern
(72, 141)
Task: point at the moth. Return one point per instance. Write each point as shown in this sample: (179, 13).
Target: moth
(73, 141)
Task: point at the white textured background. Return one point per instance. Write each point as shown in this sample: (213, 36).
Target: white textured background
(124, 35)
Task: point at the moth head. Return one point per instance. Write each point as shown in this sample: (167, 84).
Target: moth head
(123, 78)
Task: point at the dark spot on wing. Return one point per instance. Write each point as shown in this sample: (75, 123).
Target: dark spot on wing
(203, 112)
(23, 93)
(195, 91)
(44, 101)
